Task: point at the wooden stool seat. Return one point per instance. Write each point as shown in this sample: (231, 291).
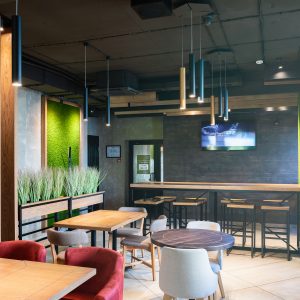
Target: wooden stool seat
(277, 208)
(148, 201)
(241, 206)
(177, 203)
(168, 200)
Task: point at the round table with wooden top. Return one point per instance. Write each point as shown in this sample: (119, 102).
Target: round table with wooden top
(209, 240)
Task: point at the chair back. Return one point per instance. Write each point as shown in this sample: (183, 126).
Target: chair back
(23, 250)
(65, 238)
(109, 265)
(217, 256)
(186, 273)
(159, 224)
(139, 223)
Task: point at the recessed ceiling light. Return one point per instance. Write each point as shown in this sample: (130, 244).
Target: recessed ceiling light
(280, 67)
(282, 108)
(269, 108)
(259, 62)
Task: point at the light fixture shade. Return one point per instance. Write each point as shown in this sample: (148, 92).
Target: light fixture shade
(1, 24)
(221, 102)
(225, 91)
(108, 111)
(192, 75)
(201, 81)
(16, 50)
(212, 110)
(85, 104)
(182, 88)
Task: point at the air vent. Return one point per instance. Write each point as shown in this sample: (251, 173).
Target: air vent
(149, 9)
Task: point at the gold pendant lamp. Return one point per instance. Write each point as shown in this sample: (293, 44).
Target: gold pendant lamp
(182, 76)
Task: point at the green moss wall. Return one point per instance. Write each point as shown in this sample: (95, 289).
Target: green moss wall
(63, 131)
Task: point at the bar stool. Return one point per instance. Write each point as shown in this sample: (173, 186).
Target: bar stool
(223, 217)
(167, 200)
(275, 232)
(197, 202)
(235, 227)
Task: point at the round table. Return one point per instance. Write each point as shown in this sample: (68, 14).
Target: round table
(209, 240)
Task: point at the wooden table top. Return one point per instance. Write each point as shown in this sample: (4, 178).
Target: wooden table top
(27, 280)
(221, 186)
(103, 220)
(193, 239)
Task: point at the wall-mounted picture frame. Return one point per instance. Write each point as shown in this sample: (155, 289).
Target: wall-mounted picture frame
(113, 151)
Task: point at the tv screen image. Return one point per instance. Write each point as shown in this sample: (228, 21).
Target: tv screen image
(228, 136)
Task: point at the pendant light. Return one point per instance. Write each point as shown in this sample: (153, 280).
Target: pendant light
(1, 24)
(182, 75)
(225, 93)
(212, 97)
(201, 69)
(107, 94)
(16, 48)
(220, 89)
(85, 92)
(192, 71)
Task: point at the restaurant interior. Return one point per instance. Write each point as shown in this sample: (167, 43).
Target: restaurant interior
(149, 149)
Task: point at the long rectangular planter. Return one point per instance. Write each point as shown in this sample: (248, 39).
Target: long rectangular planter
(42, 208)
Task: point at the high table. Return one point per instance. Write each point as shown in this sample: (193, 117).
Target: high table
(102, 220)
(214, 187)
(28, 280)
(209, 240)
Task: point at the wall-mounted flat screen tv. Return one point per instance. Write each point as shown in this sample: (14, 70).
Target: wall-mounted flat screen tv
(228, 136)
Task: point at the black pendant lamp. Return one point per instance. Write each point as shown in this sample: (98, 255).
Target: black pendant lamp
(201, 69)
(16, 48)
(182, 81)
(220, 89)
(225, 91)
(1, 24)
(86, 91)
(107, 94)
(192, 69)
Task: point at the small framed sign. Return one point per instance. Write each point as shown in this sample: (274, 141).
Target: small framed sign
(113, 151)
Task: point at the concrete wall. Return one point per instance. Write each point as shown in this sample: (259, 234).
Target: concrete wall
(121, 131)
(28, 130)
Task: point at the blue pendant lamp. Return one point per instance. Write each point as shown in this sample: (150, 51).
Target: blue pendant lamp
(225, 91)
(200, 97)
(16, 48)
(221, 112)
(212, 97)
(192, 68)
(85, 91)
(107, 94)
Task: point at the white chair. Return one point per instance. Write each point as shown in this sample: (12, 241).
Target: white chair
(129, 231)
(215, 257)
(186, 273)
(133, 243)
(76, 237)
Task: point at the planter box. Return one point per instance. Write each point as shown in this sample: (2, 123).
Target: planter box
(42, 208)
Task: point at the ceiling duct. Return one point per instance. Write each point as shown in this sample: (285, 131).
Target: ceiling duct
(122, 82)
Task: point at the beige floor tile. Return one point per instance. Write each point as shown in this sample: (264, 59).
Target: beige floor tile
(287, 289)
(253, 293)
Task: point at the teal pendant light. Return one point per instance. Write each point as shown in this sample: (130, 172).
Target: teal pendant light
(85, 92)
(221, 112)
(225, 91)
(200, 97)
(108, 123)
(192, 68)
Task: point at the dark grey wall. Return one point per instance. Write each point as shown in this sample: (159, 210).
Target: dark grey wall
(275, 159)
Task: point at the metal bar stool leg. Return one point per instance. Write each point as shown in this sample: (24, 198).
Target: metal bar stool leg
(174, 217)
(263, 234)
(288, 236)
(244, 226)
(186, 216)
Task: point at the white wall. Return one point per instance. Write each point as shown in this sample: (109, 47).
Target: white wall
(28, 129)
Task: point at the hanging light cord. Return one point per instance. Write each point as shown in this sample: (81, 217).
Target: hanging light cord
(212, 76)
(200, 32)
(220, 63)
(225, 73)
(107, 63)
(181, 42)
(17, 7)
(192, 46)
(85, 46)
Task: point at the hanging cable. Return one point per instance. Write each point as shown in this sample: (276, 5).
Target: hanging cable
(107, 93)
(85, 92)
(220, 88)
(201, 67)
(182, 81)
(192, 71)
(226, 104)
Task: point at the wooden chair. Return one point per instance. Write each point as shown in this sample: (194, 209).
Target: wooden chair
(144, 243)
(275, 232)
(76, 237)
(129, 231)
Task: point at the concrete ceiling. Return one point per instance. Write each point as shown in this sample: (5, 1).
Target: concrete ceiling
(54, 32)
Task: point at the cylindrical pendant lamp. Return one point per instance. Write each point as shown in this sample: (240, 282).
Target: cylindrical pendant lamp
(212, 110)
(108, 122)
(200, 68)
(85, 91)
(1, 24)
(220, 90)
(225, 104)
(16, 50)
(192, 69)
(182, 89)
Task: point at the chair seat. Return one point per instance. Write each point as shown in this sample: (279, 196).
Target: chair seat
(127, 231)
(215, 267)
(61, 258)
(141, 242)
(78, 296)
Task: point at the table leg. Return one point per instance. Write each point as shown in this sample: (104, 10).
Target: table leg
(114, 240)
(170, 215)
(103, 239)
(213, 206)
(174, 217)
(93, 238)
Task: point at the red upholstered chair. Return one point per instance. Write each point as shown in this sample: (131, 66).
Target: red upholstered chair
(108, 283)
(23, 250)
